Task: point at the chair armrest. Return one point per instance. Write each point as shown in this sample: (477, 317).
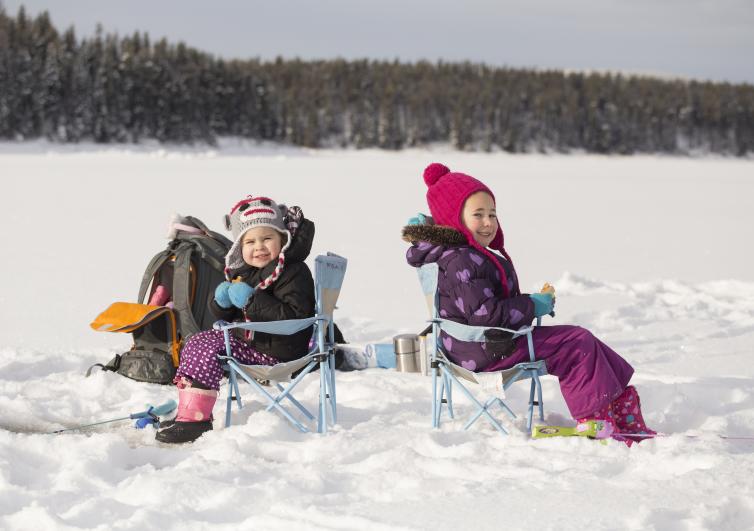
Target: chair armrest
(285, 328)
(464, 332)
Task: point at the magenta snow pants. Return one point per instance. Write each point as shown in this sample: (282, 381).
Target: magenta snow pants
(591, 374)
(199, 361)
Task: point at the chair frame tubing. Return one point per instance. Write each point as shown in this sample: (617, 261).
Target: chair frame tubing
(329, 273)
(325, 358)
(445, 395)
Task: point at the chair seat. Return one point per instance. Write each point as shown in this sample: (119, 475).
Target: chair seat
(495, 380)
(280, 372)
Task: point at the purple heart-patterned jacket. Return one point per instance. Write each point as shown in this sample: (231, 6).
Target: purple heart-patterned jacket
(469, 288)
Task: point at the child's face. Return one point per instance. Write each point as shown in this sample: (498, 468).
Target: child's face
(260, 246)
(480, 218)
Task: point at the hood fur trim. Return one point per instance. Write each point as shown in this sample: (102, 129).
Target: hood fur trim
(434, 234)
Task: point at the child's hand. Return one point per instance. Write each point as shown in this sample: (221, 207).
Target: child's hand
(239, 294)
(548, 288)
(221, 295)
(543, 303)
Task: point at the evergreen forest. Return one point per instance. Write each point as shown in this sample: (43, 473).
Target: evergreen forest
(125, 89)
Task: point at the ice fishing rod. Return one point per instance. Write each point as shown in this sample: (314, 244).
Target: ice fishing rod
(687, 435)
(148, 417)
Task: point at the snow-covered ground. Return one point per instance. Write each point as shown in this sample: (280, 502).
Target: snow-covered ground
(653, 254)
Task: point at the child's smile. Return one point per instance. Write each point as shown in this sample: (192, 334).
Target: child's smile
(480, 217)
(261, 245)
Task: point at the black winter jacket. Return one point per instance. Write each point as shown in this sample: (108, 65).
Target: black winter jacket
(291, 296)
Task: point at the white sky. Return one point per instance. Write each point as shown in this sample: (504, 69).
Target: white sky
(705, 39)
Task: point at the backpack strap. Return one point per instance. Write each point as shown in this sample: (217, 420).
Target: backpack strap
(182, 290)
(211, 251)
(112, 365)
(150, 272)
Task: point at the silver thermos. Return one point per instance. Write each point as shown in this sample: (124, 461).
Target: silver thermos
(406, 347)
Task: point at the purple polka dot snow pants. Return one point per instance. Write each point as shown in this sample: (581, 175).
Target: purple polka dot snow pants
(591, 374)
(199, 361)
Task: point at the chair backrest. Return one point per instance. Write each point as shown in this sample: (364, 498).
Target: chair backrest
(329, 271)
(428, 279)
(428, 274)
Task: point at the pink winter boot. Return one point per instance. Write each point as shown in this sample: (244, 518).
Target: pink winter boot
(628, 417)
(194, 416)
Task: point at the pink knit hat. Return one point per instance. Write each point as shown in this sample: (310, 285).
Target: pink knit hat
(446, 193)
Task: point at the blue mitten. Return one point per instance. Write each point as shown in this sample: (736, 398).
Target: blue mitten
(221, 295)
(543, 303)
(420, 219)
(240, 293)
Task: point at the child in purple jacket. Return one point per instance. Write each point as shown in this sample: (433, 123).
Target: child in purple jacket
(480, 288)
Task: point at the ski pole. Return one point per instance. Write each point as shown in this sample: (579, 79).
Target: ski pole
(143, 418)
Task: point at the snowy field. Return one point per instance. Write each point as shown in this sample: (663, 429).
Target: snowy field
(653, 254)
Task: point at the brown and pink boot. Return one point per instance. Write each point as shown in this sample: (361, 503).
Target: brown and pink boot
(628, 418)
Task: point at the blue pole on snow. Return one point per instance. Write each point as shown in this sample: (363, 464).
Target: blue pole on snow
(143, 418)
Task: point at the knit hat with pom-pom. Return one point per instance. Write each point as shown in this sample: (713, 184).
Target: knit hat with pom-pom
(446, 194)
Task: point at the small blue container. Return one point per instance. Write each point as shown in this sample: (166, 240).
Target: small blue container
(383, 353)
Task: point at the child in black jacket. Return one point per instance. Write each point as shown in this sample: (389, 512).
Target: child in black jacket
(270, 282)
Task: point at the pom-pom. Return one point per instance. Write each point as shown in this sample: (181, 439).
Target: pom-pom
(433, 172)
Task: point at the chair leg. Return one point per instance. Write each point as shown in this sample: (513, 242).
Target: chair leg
(449, 396)
(492, 401)
(441, 397)
(478, 413)
(322, 419)
(287, 392)
(435, 422)
(295, 402)
(232, 389)
(536, 384)
(273, 402)
(508, 410)
(539, 398)
(482, 408)
(333, 399)
(236, 390)
(530, 413)
(229, 400)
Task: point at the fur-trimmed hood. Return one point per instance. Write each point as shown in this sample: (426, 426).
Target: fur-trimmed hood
(429, 234)
(434, 234)
(440, 243)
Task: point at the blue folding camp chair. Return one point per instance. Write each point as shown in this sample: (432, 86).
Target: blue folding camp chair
(449, 373)
(328, 278)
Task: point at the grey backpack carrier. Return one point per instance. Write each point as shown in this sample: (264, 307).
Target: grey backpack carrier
(173, 303)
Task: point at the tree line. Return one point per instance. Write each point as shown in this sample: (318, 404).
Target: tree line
(109, 88)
